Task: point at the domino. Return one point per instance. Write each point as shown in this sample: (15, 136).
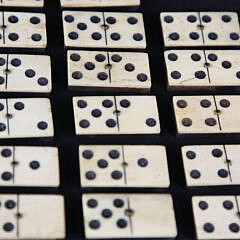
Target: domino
(25, 117)
(196, 114)
(23, 30)
(21, 3)
(103, 30)
(180, 76)
(125, 30)
(25, 73)
(116, 115)
(99, 3)
(223, 67)
(113, 71)
(220, 27)
(25, 216)
(200, 28)
(216, 217)
(29, 166)
(188, 22)
(206, 165)
(207, 68)
(128, 216)
(206, 114)
(123, 166)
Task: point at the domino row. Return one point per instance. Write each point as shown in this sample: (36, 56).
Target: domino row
(120, 115)
(26, 215)
(146, 166)
(124, 71)
(99, 3)
(131, 114)
(200, 29)
(120, 166)
(32, 117)
(197, 29)
(81, 29)
(215, 217)
(130, 71)
(127, 215)
(100, 166)
(120, 30)
(22, 3)
(71, 3)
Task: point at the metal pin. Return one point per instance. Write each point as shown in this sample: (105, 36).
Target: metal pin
(9, 115)
(200, 26)
(108, 66)
(129, 212)
(117, 112)
(105, 26)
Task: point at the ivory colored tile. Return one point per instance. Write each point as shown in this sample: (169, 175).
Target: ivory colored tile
(95, 115)
(150, 219)
(206, 68)
(102, 166)
(84, 29)
(28, 73)
(125, 30)
(216, 217)
(43, 217)
(228, 117)
(1, 30)
(32, 216)
(36, 166)
(22, 3)
(8, 220)
(123, 166)
(88, 69)
(195, 114)
(137, 115)
(110, 115)
(206, 165)
(220, 28)
(130, 71)
(29, 166)
(146, 166)
(194, 75)
(24, 30)
(4, 124)
(113, 71)
(3, 73)
(129, 215)
(207, 114)
(200, 28)
(211, 164)
(181, 29)
(29, 117)
(98, 226)
(6, 167)
(102, 30)
(223, 67)
(99, 3)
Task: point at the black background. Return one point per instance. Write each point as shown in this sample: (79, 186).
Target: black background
(67, 142)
